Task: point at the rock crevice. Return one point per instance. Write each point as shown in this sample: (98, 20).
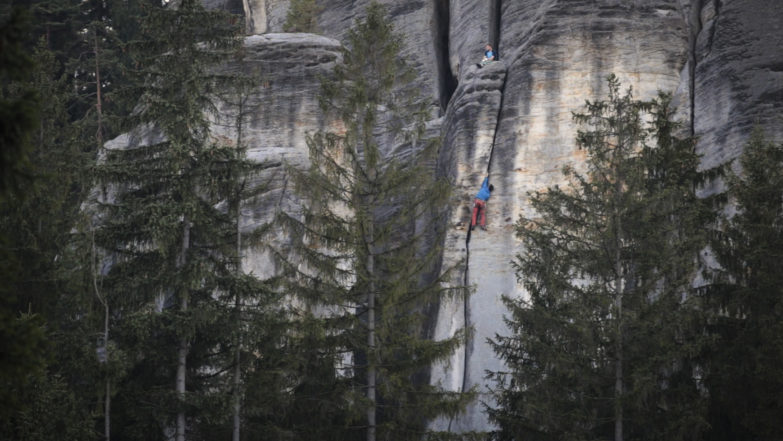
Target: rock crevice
(448, 82)
(495, 11)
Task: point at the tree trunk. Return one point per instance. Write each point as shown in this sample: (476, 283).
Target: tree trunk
(371, 349)
(238, 343)
(105, 303)
(619, 291)
(371, 374)
(107, 403)
(182, 356)
(98, 99)
(99, 140)
(237, 397)
(182, 353)
(618, 370)
(237, 404)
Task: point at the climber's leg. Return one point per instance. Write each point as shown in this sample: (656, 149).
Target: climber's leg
(477, 206)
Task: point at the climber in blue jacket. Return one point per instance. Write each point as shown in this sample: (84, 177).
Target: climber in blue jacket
(489, 56)
(481, 204)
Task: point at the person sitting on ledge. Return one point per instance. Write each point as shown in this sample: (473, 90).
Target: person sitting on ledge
(489, 56)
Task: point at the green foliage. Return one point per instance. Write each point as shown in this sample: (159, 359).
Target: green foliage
(302, 16)
(35, 224)
(746, 297)
(172, 246)
(603, 347)
(55, 291)
(369, 242)
(18, 102)
(51, 411)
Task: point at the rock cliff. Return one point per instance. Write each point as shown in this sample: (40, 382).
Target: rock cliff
(512, 120)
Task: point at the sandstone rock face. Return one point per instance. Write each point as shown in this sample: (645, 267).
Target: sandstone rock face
(557, 55)
(413, 19)
(469, 32)
(284, 105)
(281, 111)
(738, 78)
(264, 16)
(277, 114)
(512, 119)
(469, 130)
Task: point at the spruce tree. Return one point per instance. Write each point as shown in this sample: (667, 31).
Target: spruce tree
(45, 237)
(369, 244)
(165, 230)
(42, 293)
(604, 346)
(745, 297)
(252, 353)
(18, 102)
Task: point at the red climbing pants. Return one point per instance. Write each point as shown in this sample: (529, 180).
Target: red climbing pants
(482, 207)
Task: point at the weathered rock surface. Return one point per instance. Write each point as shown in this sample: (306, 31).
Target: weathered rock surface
(284, 105)
(738, 79)
(264, 16)
(415, 19)
(512, 119)
(469, 130)
(280, 113)
(557, 55)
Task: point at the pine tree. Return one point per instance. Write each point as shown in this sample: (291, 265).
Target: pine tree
(43, 228)
(604, 346)
(369, 243)
(746, 297)
(252, 354)
(18, 105)
(35, 226)
(164, 228)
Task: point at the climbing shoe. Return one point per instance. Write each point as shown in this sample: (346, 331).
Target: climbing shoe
(483, 228)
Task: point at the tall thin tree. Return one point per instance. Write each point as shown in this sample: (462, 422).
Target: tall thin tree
(370, 239)
(163, 222)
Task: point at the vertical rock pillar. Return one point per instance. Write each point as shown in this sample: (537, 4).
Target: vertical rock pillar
(469, 133)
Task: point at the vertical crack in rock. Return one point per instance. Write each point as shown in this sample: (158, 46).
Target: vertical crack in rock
(447, 82)
(494, 25)
(713, 29)
(248, 15)
(466, 311)
(497, 124)
(494, 38)
(467, 239)
(695, 26)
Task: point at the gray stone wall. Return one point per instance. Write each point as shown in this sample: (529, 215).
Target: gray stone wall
(738, 78)
(512, 120)
(557, 54)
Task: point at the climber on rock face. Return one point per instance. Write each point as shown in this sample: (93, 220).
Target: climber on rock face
(489, 56)
(481, 204)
